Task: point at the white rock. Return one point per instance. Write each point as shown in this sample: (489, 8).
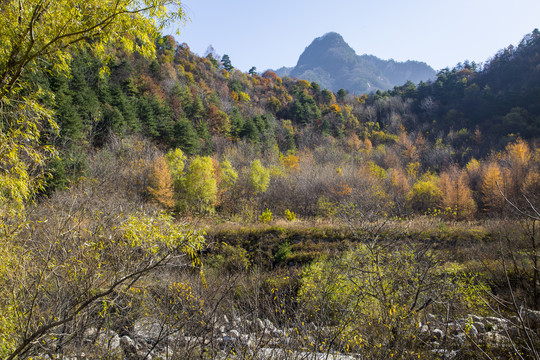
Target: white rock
(496, 338)
(259, 324)
(268, 324)
(148, 328)
(90, 333)
(129, 346)
(495, 320)
(108, 339)
(127, 343)
(460, 339)
(446, 354)
(246, 340)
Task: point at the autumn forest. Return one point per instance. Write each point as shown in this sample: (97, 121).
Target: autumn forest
(159, 204)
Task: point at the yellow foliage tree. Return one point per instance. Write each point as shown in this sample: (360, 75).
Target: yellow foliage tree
(412, 169)
(354, 142)
(259, 177)
(368, 146)
(408, 147)
(425, 194)
(351, 119)
(70, 265)
(531, 186)
(200, 185)
(274, 104)
(39, 30)
(22, 157)
(518, 152)
(362, 99)
(228, 174)
(400, 187)
(175, 159)
(473, 166)
(303, 84)
(244, 97)
(399, 181)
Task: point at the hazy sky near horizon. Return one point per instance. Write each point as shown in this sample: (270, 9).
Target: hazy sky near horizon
(272, 34)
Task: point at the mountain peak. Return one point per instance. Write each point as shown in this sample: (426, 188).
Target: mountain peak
(331, 37)
(331, 62)
(329, 52)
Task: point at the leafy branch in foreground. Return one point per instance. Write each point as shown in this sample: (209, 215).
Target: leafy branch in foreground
(44, 30)
(74, 262)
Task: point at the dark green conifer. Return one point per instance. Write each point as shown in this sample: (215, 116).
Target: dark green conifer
(226, 62)
(185, 137)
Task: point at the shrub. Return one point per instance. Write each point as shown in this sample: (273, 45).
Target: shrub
(290, 215)
(284, 251)
(375, 293)
(326, 208)
(230, 258)
(266, 216)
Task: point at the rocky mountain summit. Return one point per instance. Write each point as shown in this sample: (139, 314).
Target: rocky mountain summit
(332, 63)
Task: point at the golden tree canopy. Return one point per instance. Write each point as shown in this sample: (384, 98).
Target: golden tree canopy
(37, 32)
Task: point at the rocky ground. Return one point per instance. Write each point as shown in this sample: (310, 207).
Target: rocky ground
(261, 339)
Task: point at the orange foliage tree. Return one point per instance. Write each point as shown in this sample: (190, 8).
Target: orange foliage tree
(161, 184)
(400, 187)
(516, 160)
(457, 197)
(290, 163)
(491, 182)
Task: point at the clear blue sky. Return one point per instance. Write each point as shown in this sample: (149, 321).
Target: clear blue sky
(271, 34)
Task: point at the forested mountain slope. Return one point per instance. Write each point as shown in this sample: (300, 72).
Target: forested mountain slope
(499, 101)
(409, 134)
(183, 100)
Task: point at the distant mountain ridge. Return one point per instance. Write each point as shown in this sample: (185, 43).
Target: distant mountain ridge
(332, 63)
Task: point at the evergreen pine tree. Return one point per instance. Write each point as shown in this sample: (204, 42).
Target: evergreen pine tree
(148, 117)
(226, 62)
(237, 123)
(185, 137)
(250, 131)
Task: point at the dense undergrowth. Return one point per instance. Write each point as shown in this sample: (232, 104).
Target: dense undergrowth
(306, 276)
